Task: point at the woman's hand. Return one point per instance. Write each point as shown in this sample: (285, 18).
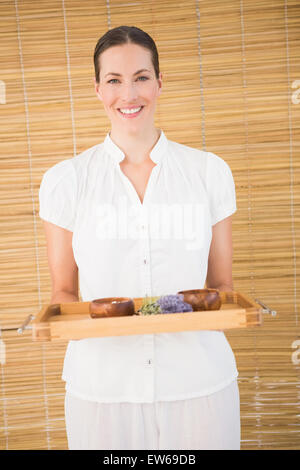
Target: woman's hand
(62, 265)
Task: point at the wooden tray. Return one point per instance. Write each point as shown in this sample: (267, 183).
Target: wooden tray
(72, 320)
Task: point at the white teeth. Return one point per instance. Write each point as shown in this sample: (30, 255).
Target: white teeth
(130, 111)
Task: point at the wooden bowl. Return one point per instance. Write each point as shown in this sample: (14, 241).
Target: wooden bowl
(111, 307)
(202, 299)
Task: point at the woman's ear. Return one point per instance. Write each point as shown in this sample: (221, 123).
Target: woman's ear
(159, 83)
(98, 89)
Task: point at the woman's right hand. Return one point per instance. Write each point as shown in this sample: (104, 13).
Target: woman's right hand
(62, 265)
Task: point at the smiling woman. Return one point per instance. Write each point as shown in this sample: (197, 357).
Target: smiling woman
(129, 100)
(159, 391)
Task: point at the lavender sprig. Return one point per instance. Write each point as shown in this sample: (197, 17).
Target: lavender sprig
(173, 304)
(165, 304)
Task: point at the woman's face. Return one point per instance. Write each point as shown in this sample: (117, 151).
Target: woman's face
(121, 88)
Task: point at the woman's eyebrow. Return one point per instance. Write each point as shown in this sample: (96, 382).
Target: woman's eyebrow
(119, 75)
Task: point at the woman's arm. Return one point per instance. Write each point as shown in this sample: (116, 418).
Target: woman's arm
(62, 265)
(219, 271)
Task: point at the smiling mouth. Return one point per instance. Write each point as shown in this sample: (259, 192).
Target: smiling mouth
(130, 114)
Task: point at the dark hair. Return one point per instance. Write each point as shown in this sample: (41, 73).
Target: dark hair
(125, 35)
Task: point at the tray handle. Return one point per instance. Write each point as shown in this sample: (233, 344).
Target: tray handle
(265, 308)
(25, 326)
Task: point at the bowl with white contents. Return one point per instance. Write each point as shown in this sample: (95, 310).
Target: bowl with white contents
(111, 307)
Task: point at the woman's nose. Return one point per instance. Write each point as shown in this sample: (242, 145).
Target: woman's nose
(129, 92)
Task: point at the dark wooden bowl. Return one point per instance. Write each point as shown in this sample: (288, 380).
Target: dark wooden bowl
(202, 299)
(111, 307)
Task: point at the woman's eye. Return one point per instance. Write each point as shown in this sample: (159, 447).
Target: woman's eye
(114, 80)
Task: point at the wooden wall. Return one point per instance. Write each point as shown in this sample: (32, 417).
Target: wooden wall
(231, 81)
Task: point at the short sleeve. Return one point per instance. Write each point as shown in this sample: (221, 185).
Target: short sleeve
(221, 188)
(57, 195)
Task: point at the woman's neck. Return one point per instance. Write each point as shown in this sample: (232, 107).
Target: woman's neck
(136, 148)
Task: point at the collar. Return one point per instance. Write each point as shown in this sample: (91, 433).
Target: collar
(156, 153)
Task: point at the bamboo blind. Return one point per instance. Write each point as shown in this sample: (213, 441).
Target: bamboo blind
(230, 72)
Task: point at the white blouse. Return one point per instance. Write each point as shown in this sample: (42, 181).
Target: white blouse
(125, 248)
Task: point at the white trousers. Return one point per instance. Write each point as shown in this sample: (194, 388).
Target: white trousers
(204, 423)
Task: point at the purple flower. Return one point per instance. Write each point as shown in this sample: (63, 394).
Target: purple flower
(173, 304)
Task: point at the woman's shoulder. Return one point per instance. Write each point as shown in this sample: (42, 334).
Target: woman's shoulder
(202, 160)
(65, 167)
(60, 170)
(188, 152)
(198, 156)
(212, 168)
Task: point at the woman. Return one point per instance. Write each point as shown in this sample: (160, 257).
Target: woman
(139, 215)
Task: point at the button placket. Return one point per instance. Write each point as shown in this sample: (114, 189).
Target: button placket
(149, 365)
(145, 254)
(147, 267)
